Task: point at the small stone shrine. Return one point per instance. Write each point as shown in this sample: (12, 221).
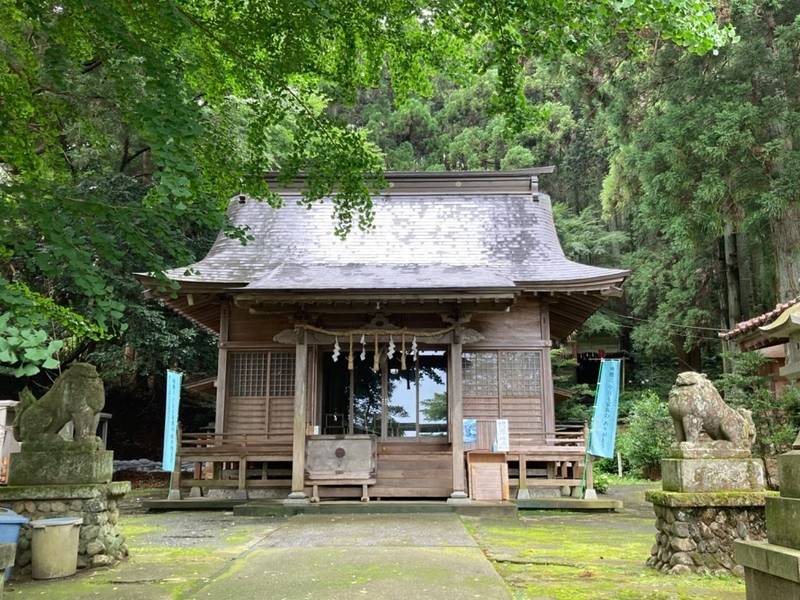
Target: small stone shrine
(52, 476)
(772, 568)
(713, 489)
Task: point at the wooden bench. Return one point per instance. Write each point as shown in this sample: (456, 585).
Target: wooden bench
(222, 448)
(316, 483)
(562, 454)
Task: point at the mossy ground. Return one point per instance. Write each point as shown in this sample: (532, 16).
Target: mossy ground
(570, 556)
(540, 556)
(171, 556)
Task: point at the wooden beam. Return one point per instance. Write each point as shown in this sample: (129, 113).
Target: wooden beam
(222, 368)
(457, 419)
(547, 372)
(299, 428)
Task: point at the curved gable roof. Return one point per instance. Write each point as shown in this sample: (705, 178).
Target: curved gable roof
(420, 240)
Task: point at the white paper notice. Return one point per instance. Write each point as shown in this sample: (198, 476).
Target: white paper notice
(501, 443)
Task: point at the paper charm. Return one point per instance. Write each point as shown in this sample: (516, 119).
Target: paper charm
(350, 355)
(414, 347)
(363, 348)
(390, 348)
(336, 349)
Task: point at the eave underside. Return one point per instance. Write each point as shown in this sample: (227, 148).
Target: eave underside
(568, 310)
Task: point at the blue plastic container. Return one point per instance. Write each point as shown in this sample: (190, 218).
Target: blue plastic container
(10, 522)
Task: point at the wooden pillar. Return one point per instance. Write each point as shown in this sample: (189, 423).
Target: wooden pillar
(222, 368)
(457, 419)
(299, 429)
(548, 396)
(522, 486)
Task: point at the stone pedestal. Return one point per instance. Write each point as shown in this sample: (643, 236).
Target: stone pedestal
(697, 531)
(101, 542)
(692, 475)
(772, 570)
(60, 465)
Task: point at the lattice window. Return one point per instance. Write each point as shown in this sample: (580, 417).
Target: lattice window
(521, 374)
(479, 374)
(281, 374)
(248, 374)
(249, 377)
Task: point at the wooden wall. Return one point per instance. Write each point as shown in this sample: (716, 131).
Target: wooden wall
(524, 327)
(245, 327)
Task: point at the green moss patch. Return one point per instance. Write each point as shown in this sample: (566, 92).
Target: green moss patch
(702, 499)
(582, 557)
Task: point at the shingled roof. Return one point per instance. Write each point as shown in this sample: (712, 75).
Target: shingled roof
(469, 231)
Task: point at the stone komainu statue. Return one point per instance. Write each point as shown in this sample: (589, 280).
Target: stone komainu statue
(77, 396)
(702, 418)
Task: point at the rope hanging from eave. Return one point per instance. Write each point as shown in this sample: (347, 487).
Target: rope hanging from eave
(377, 332)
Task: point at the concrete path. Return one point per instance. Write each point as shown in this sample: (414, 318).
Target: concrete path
(214, 556)
(401, 557)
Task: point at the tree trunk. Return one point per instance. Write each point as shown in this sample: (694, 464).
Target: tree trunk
(746, 284)
(732, 276)
(786, 241)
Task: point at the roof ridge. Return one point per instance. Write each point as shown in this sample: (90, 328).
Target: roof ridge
(753, 323)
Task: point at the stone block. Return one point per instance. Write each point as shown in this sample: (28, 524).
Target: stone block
(40, 467)
(789, 474)
(712, 475)
(762, 585)
(783, 521)
(709, 450)
(774, 560)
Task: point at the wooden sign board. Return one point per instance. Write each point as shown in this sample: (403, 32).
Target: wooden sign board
(488, 476)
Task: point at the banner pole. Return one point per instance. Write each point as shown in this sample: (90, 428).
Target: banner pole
(589, 434)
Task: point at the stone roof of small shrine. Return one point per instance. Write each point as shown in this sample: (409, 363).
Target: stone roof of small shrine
(753, 325)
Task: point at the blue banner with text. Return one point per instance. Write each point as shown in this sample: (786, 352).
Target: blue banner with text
(171, 420)
(603, 433)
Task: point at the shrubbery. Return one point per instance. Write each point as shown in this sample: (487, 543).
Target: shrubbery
(648, 435)
(776, 416)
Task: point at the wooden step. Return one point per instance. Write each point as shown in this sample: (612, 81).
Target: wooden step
(385, 491)
(413, 482)
(387, 472)
(413, 449)
(414, 465)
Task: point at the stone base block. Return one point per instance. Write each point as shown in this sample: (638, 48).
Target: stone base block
(40, 467)
(100, 541)
(783, 521)
(770, 571)
(712, 474)
(694, 537)
(789, 474)
(716, 449)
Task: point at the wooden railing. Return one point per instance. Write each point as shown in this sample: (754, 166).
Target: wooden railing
(548, 459)
(563, 456)
(227, 455)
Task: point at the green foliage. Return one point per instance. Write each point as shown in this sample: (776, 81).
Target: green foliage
(435, 408)
(578, 407)
(127, 126)
(648, 435)
(25, 344)
(601, 482)
(776, 415)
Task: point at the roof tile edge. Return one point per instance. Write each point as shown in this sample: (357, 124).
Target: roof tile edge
(525, 181)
